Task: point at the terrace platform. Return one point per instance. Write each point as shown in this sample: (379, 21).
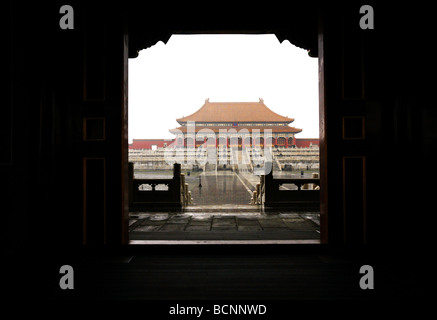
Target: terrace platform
(221, 223)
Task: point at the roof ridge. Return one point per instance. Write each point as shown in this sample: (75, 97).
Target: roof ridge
(240, 111)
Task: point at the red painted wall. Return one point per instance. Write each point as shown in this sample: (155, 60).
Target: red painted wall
(305, 143)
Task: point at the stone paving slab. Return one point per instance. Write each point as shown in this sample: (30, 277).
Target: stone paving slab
(194, 222)
(247, 222)
(228, 225)
(198, 225)
(226, 235)
(173, 227)
(205, 227)
(289, 215)
(159, 217)
(272, 223)
(147, 228)
(179, 219)
(224, 222)
(147, 222)
(250, 228)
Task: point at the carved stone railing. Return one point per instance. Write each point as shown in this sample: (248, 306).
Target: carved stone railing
(257, 194)
(274, 196)
(150, 193)
(185, 193)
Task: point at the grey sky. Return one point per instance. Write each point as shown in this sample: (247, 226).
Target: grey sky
(168, 81)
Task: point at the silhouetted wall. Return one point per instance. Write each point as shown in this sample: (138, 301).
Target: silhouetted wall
(67, 92)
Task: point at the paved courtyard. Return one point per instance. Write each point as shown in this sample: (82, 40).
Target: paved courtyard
(244, 225)
(217, 189)
(221, 211)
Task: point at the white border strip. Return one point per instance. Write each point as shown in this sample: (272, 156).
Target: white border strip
(241, 180)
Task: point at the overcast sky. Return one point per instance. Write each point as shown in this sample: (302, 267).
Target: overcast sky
(169, 81)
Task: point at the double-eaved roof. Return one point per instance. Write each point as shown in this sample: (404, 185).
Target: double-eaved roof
(236, 115)
(234, 112)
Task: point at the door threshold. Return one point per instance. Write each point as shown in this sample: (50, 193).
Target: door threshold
(215, 242)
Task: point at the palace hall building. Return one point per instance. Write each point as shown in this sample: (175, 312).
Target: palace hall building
(245, 124)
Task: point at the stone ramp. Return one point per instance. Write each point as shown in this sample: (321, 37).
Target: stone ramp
(225, 188)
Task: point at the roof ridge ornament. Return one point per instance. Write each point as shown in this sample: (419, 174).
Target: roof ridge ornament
(261, 100)
(206, 100)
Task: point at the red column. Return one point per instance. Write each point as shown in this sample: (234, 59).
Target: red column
(286, 142)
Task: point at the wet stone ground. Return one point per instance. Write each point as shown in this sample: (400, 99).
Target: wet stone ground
(216, 225)
(225, 188)
(221, 211)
